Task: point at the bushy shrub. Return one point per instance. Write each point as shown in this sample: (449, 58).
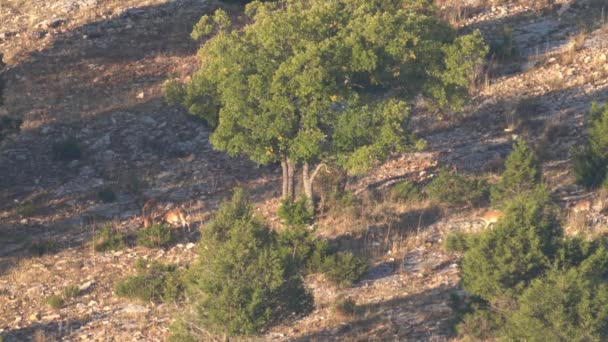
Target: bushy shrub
(155, 236)
(174, 91)
(153, 282)
(520, 248)
(406, 191)
(108, 239)
(55, 302)
(567, 305)
(344, 268)
(522, 174)
(71, 291)
(296, 213)
(345, 308)
(106, 194)
(591, 161)
(453, 189)
(41, 247)
(9, 126)
(504, 47)
(459, 242)
(27, 210)
(67, 150)
(243, 281)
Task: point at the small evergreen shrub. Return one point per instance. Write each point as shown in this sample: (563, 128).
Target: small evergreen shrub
(406, 191)
(153, 282)
(106, 195)
(504, 48)
(453, 189)
(55, 302)
(174, 92)
(155, 236)
(27, 210)
(42, 247)
(243, 282)
(520, 248)
(295, 213)
(591, 160)
(521, 175)
(108, 239)
(344, 269)
(71, 292)
(459, 242)
(67, 150)
(345, 308)
(9, 126)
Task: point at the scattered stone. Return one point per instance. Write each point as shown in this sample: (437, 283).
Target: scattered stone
(135, 309)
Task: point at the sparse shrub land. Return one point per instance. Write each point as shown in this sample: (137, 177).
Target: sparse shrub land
(406, 191)
(504, 48)
(155, 236)
(296, 213)
(591, 161)
(106, 194)
(452, 189)
(153, 282)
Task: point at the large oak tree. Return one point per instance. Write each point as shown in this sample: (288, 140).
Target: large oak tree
(302, 82)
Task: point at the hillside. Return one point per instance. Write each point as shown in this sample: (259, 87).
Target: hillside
(93, 70)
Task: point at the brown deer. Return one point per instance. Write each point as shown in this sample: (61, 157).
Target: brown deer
(490, 217)
(583, 206)
(175, 217)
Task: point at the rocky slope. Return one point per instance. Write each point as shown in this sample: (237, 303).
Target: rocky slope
(93, 70)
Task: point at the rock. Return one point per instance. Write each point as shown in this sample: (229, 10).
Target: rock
(135, 309)
(34, 317)
(45, 130)
(190, 245)
(86, 286)
(141, 96)
(102, 143)
(148, 121)
(51, 317)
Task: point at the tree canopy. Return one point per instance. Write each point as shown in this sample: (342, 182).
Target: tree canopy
(310, 81)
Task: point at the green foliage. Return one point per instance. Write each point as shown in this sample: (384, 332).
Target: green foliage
(345, 307)
(406, 191)
(108, 239)
(244, 280)
(67, 150)
(27, 209)
(591, 161)
(71, 292)
(55, 302)
(319, 80)
(344, 269)
(564, 305)
(174, 91)
(522, 174)
(106, 194)
(453, 189)
(519, 248)
(296, 213)
(480, 322)
(153, 282)
(155, 236)
(504, 48)
(459, 242)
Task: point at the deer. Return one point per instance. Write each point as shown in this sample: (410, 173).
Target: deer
(490, 217)
(175, 217)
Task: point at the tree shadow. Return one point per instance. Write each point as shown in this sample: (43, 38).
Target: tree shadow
(421, 316)
(51, 331)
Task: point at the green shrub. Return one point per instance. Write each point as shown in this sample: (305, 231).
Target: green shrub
(591, 161)
(406, 191)
(459, 242)
(153, 282)
(345, 307)
(504, 48)
(174, 91)
(9, 125)
(67, 150)
(155, 236)
(71, 292)
(295, 213)
(27, 210)
(564, 306)
(522, 174)
(243, 281)
(108, 239)
(520, 247)
(481, 323)
(106, 194)
(42, 247)
(344, 269)
(453, 189)
(55, 302)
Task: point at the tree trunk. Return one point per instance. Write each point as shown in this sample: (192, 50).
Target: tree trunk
(287, 189)
(290, 179)
(308, 180)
